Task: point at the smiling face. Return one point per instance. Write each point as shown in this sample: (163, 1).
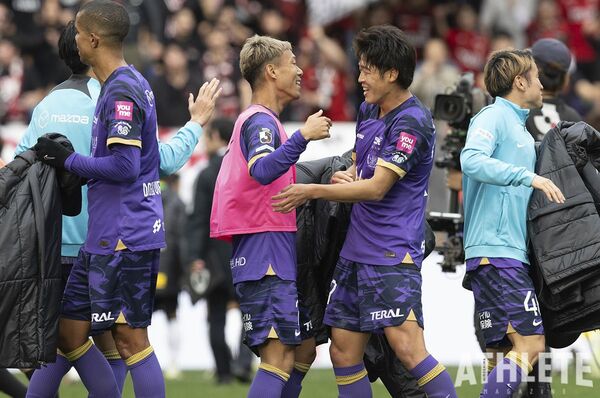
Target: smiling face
(289, 75)
(376, 85)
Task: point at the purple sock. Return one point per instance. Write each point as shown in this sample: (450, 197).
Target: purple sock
(95, 373)
(353, 382)
(119, 369)
(267, 383)
(294, 385)
(46, 380)
(503, 380)
(147, 377)
(433, 378)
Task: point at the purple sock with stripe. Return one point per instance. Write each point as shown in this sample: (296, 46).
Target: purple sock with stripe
(96, 374)
(119, 369)
(434, 379)
(266, 385)
(146, 375)
(46, 380)
(353, 382)
(293, 387)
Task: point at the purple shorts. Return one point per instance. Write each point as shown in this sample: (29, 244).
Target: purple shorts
(100, 288)
(368, 298)
(269, 309)
(503, 297)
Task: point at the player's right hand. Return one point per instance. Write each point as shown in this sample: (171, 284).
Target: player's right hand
(202, 108)
(553, 193)
(316, 127)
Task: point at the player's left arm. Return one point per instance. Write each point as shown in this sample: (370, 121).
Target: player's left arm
(404, 149)
(125, 118)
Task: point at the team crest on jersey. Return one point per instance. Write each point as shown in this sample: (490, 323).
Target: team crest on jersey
(406, 142)
(123, 128)
(265, 136)
(124, 110)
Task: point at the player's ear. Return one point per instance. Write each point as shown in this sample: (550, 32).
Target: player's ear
(392, 75)
(270, 70)
(94, 40)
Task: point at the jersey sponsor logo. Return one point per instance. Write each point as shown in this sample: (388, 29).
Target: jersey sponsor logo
(150, 97)
(158, 224)
(483, 134)
(308, 326)
(151, 188)
(521, 145)
(124, 110)
(485, 320)
(123, 128)
(43, 119)
(406, 142)
(247, 322)
(265, 136)
(67, 118)
(102, 317)
(386, 314)
(237, 262)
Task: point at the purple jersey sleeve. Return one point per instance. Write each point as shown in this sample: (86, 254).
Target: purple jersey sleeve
(123, 165)
(259, 137)
(405, 147)
(125, 119)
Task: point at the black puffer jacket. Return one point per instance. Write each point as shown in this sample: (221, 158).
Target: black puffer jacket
(30, 262)
(565, 238)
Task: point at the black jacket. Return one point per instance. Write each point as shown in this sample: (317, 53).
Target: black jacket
(215, 252)
(565, 238)
(30, 262)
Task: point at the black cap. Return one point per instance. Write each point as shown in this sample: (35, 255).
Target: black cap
(553, 53)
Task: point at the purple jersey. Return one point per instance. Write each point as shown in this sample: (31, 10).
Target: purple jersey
(253, 253)
(391, 231)
(130, 212)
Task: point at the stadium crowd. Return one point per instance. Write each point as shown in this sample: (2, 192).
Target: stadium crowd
(177, 44)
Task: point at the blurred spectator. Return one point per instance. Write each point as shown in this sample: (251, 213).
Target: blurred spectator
(325, 78)
(169, 280)
(468, 46)
(181, 28)
(219, 60)
(173, 86)
(415, 18)
(584, 34)
(548, 23)
(510, 16)
(19, 84)
(435, 74)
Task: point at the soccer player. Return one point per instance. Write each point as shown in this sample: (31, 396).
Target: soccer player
(498, 165)
(69, 109)
(376, 285)
(112, 283)
(259, 163)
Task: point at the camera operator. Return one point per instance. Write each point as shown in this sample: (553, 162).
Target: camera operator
(553, 59)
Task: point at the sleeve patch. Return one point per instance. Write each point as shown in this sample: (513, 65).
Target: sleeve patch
(123, 128)
(406, 142)
(124, 110)
(484, 134)
(265, 136)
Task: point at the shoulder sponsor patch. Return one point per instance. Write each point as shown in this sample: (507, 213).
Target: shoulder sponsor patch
(483, 133)
(406, 142)
(123, 110)
(265, 136)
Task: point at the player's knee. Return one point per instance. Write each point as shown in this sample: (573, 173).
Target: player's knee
(129, 344)
(342, 358)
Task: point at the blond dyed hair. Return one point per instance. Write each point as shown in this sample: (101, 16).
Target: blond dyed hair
(257, 52)
(503, 67)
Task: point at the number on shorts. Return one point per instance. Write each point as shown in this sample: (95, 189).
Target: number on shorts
(534, 307)
(333, 287)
